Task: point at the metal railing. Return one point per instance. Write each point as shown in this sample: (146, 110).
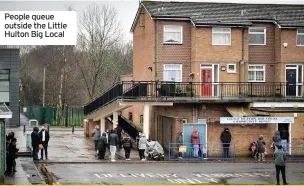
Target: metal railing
(212, 151)
(195, 90)
(295, 150)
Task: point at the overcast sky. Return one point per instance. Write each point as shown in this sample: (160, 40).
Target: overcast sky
(126, 8)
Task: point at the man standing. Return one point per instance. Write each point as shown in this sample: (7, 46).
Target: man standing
(113, 142)
(35, 142)
(44, 138)
(96, 134)
(280, 164)
(226, 139)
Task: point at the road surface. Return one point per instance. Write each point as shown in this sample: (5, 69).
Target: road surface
(173, 173)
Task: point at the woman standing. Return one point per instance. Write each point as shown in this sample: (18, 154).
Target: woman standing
(142, 145)
(127, 145)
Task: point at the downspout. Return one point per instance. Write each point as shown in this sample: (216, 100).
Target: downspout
(242, 60)
(155, 50)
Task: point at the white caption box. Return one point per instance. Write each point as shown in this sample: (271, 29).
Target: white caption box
(38, 28)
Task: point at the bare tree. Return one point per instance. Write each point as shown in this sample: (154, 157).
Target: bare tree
(100, 31)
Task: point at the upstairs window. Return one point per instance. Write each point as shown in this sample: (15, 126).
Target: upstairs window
(173, 34)
(256, 73)
(300, 37)
(257, 36)
(173, 72)
(221, 36)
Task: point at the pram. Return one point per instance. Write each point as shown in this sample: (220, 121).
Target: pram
(253, 148)
(155, 151)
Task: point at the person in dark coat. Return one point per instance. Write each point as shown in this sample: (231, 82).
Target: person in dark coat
(35, 142)
(277, 140)
(280, 160)
(102, 146)
(118, 132)
(44, 138)
(127, 145)
(226, 139)
(261, 148)
(113, 142)
(284, 139)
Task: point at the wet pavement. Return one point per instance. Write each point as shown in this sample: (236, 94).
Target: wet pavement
(173, 173)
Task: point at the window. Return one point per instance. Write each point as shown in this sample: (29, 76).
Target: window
(173, 72)
(300, 37)
(4, 85)
(231, 68)
(256, 73)
(141, 119)
(257, 36)
(173, 34)
(221, 36)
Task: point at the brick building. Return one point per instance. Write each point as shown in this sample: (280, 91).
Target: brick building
(209, 60)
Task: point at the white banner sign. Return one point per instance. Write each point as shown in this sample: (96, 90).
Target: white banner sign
(236, 120)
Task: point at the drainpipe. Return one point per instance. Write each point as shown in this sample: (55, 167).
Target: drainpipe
(242, 60)
(155, 50)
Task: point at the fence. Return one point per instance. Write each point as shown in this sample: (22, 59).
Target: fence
(212, 151)
(3, 151)
(55, 116)
(295, 150)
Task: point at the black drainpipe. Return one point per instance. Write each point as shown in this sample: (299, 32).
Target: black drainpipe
(155, 49)
(243, 43)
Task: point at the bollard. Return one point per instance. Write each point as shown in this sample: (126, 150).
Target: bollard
(73, 129)
(23, 128)
(48, 128)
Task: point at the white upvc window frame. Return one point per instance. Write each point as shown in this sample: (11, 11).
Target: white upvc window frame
(180, 69)
(251, 32)
(221, 32)
(179, 28)
(299, 34)
(255, 70)
(229, 71)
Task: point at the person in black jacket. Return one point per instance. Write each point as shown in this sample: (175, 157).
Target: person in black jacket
(127, 145)
(102, 146)
(226, 139)
(35, 142)
(118, 132)
(44, 138)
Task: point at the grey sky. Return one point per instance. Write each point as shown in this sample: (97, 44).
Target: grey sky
(126, 8)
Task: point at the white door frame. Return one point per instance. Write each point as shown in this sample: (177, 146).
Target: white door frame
(211, 66)
(297, 76)
(289, 131)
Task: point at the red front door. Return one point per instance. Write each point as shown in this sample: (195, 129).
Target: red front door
(206, 88)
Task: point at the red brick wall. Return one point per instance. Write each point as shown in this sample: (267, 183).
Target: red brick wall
(265, 54)
(143, 48)
(242, 135)
(174, 54)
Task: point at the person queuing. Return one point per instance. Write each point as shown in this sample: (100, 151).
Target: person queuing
(44, 139)
(11, 154)
(142, 145)
(102, 146)
(127, 145)
(113, 142)
(96, 134)
(35, 142)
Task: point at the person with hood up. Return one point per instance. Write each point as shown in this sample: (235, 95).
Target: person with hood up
(280, 164)
(113, 142)
(127, 145)
(180, 142)
(35, 142)
(44, 138)
(118, 130)
(226, 139)
(102, 146)
(142, 145)
(261, 149)
(96, 134)
(195, 140)
(276, 140)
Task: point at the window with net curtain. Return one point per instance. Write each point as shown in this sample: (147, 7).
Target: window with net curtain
(172, 72)
(221, 36)
(256, 73)
(257, 36)
(173, 34)
(300, 37)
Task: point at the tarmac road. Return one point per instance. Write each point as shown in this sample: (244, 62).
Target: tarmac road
(173, 173)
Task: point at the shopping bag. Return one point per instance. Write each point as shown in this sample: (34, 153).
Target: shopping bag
(40, 146)
(265, 152)
(182, 148)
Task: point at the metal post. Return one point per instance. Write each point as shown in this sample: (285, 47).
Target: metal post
(24, 128)
(66, 116)
(73, 129)
(43, 88)
(48, 128)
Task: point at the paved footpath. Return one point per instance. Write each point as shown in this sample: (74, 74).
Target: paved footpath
(173, 173)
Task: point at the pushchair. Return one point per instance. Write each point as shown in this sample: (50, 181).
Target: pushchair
(155, 151)
(253, 148)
